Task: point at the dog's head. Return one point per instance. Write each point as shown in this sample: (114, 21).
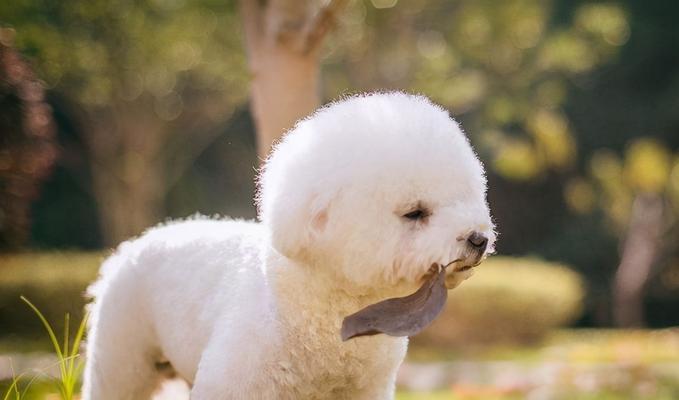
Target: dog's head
(378, 188)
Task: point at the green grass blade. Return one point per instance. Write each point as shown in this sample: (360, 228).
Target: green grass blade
(79, 334)
(53, 337)
(74, 367)
(70, 363)
(80, 368)
(67, 321)
(29, 384)
(14, 387)
(48, 327)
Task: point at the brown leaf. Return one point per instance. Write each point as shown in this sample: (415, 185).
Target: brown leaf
(401, 316)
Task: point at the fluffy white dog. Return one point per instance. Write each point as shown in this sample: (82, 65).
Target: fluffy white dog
(356, 203)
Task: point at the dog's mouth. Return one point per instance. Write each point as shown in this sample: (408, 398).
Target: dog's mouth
(468, 265)
(464, 268)
(453, 267)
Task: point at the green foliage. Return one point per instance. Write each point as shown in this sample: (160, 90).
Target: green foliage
(648, 166)
(101, 52)
(151, 82)
(504, 68)
(508, 300)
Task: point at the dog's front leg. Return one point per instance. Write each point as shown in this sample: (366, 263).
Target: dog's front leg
(234, 364)
(381, 388)
(225, 375)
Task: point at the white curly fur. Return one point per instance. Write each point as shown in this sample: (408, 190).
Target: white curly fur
(253, 310)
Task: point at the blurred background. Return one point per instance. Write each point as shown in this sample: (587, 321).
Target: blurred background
(117, 115)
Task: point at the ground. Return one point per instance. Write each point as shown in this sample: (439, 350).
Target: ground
(571, 364)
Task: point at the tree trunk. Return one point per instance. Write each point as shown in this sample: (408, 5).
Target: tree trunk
(284, 90)
(639, 252)
(283, 40)
(127, 208)
(127, 172)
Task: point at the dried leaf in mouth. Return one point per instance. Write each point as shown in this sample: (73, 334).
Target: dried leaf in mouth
(401, 316)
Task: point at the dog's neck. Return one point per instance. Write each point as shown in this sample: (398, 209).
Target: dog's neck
(317, 288)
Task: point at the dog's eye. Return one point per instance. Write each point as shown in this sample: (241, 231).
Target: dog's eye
(416, 215)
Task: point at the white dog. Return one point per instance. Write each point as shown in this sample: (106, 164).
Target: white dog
(356, 203)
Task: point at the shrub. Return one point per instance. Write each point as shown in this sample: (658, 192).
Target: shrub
(54, 281)
(508, 300)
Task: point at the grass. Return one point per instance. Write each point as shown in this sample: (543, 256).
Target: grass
(583, 364)
(38, 390)
(489, 395)
(634, 354)
(13, 390)
(571, 345)
(69, 361)
(438, 395)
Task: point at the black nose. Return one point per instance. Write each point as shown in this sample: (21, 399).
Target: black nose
(477, 241)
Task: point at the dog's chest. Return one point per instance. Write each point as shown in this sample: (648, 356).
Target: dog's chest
(318, 365)
(311, 361)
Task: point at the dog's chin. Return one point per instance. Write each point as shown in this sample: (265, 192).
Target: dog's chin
(457, 276)
(456, 272)
(462, 270)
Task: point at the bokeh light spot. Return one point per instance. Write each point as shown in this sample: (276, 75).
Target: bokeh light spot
(647, 166)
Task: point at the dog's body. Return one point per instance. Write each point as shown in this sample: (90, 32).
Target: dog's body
(351, 215)
(214, 280)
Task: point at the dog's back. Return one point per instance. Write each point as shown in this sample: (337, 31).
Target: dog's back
(201, 261)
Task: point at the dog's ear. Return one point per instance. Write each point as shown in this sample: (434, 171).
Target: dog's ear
(296, 231)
